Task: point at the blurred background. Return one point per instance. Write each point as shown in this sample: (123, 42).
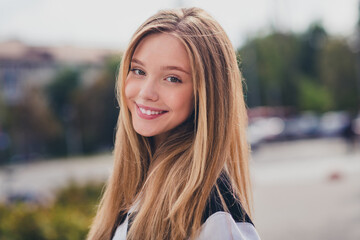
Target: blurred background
(301, 64)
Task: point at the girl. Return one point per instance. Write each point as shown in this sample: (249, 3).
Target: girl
(181, 156)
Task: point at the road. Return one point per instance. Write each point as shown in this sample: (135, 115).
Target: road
(307, 190)
(302, 189)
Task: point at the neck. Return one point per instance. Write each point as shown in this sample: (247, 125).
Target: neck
(158, 139)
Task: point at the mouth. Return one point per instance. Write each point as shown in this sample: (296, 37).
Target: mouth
(148, 112)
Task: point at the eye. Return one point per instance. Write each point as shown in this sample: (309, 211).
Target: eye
(137, 71)
(173, 79)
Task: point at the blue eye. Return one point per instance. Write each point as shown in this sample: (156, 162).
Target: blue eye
(173, 79)
(137, 71)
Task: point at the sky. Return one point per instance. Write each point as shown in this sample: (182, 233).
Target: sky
(110, 23)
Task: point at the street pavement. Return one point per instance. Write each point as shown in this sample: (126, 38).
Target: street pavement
(308, 189)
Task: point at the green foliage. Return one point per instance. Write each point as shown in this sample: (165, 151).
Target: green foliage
(311, 71)
(269, 65)
(60, 94)
(313, 96)
(337, 68)
(2, 112)
(20, 222)
(61, 90)
(31, 124)
(68, 218)
(97, 110)
(312, 43)
(83, 197)
(4, 150)
(68, 116)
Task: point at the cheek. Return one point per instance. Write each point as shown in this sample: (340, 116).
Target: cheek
(130, 93)
(182, 101)
(130, 89)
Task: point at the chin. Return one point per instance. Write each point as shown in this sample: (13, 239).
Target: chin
(145, 133)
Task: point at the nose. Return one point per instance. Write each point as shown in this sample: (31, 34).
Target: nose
(148, 90)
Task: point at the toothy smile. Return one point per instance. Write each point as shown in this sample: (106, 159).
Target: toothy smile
(148, 112)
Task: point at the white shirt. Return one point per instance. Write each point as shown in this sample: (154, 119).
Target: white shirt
(219, 226)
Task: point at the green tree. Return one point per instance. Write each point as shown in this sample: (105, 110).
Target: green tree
(61, 93)
(4, 138)
(309, 71)
(312, 44)
(270, 65)
(98, 110)
(62, 89)
(68, 217)
(31, 124)
(337, 68)
(313, 96)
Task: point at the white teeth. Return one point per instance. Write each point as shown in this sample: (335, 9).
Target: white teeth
(148, 112)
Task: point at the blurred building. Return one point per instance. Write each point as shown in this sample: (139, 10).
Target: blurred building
(23, 66)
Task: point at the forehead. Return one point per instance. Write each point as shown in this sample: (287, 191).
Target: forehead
(162, 49)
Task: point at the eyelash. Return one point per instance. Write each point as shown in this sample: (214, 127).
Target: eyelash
(177, 80)
(136, 70)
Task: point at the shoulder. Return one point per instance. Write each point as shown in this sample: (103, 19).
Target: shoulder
(221, 226)
(232, 203)
(233, 223)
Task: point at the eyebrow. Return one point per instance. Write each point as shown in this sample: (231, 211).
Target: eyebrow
(135, 60)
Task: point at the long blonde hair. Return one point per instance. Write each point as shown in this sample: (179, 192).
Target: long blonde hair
(174, 181)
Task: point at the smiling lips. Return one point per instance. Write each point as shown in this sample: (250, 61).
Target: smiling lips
(149, 113)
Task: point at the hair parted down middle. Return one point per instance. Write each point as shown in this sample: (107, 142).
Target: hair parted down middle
(173, 182)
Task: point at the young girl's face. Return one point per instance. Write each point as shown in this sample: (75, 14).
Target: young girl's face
(159, 86)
